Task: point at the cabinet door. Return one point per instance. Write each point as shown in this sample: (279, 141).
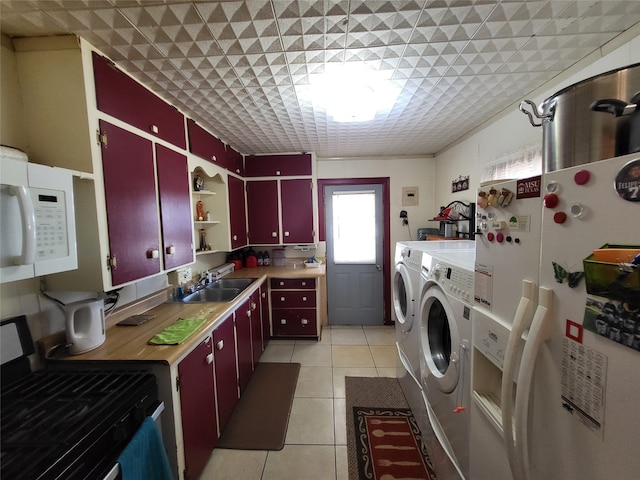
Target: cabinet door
(296, 198)
(198, 408)
(256, 325)
(175, 207)
(237, 213)
(235, 161)
(224, 350)
(132, 205)
(266, 326)
(119, 95)
(205, 145)
(262, 212)
(278, 165)
(243, 335)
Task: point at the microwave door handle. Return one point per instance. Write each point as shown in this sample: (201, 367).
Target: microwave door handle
(28, 216)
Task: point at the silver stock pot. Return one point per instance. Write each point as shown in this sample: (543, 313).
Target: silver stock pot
(595, 119)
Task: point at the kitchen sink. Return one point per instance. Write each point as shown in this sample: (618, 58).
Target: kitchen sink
(212, 295)
(221, 290)
(241, 283)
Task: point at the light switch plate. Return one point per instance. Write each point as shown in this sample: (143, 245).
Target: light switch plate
(184, 275)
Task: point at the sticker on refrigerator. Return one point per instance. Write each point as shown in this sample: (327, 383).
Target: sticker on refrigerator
(584, 380)
(613, 319)
(483, 286)
(628, 181)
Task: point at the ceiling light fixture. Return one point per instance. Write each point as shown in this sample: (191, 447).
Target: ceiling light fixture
(352, 92)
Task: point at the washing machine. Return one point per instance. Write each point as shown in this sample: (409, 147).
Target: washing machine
(444, 315)
(406, 291)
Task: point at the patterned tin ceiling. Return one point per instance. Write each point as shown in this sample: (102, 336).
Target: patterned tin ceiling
(240, 68)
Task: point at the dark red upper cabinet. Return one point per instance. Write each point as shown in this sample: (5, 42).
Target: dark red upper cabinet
(235, 161)
(132, 205)
(262, 212)
(120, 96)
(237, 213)
(175, 207)
(296, 196)
(278, 165)
(205, 145)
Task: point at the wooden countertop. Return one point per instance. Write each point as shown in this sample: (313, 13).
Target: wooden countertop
(130, 344)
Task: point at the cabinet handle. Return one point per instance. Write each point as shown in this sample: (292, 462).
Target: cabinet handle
(304, 284)
(152, 253)
(264, 294)
(286, 234)
(220, 345)
(277, 172)
(235, 237)
(253, 305)
(282, 284)
(274, 234)
(213, 157)
(155, 129)
(209, 359)
(249, 313)
(304, 299)
(282, 299)
(171, 250)
(283, 321)
(304, 321)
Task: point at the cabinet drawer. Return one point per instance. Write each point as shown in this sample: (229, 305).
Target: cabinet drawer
(293, 299)
(299, 322)
(119, 95)
(293, 283)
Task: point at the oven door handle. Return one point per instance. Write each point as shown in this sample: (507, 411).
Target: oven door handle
(115, 470)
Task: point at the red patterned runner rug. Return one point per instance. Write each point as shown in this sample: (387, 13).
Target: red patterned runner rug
(389, 445)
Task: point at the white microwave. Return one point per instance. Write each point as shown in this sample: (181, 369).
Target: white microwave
(37, 220)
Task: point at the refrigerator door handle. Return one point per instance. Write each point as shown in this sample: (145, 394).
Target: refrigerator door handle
(28, 225)
(541, 331)
(521, 322)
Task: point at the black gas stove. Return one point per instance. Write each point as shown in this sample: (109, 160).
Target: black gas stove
(71, 424)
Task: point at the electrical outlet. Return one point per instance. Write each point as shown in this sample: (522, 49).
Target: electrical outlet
(184, 275)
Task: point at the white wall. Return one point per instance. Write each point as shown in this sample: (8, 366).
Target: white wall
(402, 172)
(511, 130)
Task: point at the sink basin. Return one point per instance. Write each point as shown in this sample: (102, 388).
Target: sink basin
(222, 290)
(240, 283)
(212, 295)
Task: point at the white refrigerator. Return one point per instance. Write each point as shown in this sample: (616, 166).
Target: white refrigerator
(556, 356)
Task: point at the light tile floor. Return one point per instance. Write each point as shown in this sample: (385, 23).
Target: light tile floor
(316, 442)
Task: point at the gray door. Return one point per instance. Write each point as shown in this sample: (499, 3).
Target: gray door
(354, 254)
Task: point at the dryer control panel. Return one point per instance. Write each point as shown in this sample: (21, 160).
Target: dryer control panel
(455, 281)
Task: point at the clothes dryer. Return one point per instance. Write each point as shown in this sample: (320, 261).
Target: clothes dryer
(406, 291)
(444, 315)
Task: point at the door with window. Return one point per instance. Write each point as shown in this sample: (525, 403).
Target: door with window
(354, 235)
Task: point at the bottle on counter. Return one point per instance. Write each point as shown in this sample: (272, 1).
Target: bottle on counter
(260, 259)
(266, 261)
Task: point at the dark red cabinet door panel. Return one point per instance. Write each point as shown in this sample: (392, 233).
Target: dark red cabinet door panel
(278, 165)
(235, 161)
(243, 335)
(294, 322)
(293, 299)
(296, 197)
(262, 212)
(175, 207)
(256, 326)
(293, 283)
(119, 95)
(132, 205)
(237, 213)
(198, 408)
(224, 350)
(205, 145)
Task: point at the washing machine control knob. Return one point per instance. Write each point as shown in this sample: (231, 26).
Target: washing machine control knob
(437, 271)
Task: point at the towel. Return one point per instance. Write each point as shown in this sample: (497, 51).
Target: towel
(145, 458)
(178, 332)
